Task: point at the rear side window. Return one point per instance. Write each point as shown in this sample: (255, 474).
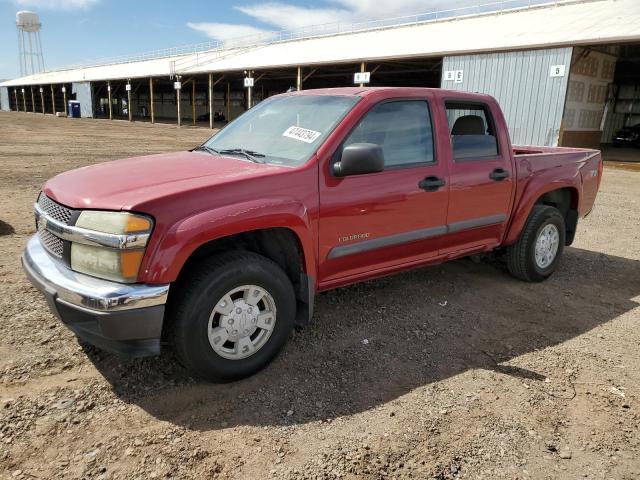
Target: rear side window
(472, 130)
(401, 128)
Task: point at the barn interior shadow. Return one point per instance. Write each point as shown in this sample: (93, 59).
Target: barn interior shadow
(413, 339)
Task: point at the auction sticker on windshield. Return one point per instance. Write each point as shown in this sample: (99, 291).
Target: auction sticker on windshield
(302, 134)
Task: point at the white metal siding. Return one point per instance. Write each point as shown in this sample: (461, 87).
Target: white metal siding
(532, 100)
(4, 99)
(85, 97)
(559, 25)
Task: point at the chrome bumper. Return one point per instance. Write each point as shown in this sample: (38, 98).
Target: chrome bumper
(121, 318)
(84, 291)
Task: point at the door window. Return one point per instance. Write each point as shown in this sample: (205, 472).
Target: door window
(472, 131)
(402, 129)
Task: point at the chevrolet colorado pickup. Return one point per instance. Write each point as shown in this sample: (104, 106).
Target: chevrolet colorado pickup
(219, 251)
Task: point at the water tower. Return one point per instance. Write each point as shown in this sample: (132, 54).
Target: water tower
(29, 45)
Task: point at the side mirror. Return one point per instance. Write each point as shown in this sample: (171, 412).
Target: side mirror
(359, 158)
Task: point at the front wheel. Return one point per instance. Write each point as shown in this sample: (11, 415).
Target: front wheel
(534, 257)
(232, 316)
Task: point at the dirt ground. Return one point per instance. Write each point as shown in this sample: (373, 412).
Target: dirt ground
(455, 371)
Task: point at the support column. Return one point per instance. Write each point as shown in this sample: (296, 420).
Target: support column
(110, 106)
(193, 100)
(151, 107)
(363, 68)
(249, 92)
(24, 100)
(178, 100)
(129, 100)
(53, 100)
(15, 94)
(211, 100)
(228, 102)
(33, 100)
(42, 99)
(299, 79)
(64, 99)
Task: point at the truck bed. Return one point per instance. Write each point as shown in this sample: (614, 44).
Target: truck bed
(561, 162)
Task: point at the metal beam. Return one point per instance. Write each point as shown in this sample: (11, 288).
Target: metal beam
(308, 75)
(178, 100)
(53, 100)
(129, 100)
(64, 99)
(228, 102)
(193, 100)
(299, 79)
(109, 94)
(211, 100)
(249, 92)
(151, 107)
(363, 67)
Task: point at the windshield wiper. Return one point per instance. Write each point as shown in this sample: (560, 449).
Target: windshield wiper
(204, 148)
(249, 154)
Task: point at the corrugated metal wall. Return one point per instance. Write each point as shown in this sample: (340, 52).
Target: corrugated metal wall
(85, 97)
(531, 99)
(4, 99)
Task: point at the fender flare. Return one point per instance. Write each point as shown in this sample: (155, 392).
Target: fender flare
(172, 250)
(531, 194)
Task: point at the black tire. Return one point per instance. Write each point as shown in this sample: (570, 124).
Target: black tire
(196, 298)
(521, 260)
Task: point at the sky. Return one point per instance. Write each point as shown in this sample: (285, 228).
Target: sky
(82, 30)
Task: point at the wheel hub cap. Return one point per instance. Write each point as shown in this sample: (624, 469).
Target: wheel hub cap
(241, 322)
(547, 245)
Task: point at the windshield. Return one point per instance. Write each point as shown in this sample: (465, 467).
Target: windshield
(283, 130)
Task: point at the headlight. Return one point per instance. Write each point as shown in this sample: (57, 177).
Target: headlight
(118, 264)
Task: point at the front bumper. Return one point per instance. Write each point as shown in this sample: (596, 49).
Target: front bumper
(122, 318)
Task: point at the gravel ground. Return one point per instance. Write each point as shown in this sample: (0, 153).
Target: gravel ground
(456, 371)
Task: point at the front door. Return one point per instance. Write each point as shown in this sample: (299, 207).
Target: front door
(375, 221)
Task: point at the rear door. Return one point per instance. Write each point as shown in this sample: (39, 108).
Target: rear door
(375, 221)
(481, 177)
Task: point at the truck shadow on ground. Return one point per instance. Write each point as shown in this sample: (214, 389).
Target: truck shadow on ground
(6, 229)
(373, 342)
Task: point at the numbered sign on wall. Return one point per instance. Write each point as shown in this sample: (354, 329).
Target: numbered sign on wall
(557, 71)
(455, 76)
(128, 87)
(362, 77)
(177, 85)
(248, 82)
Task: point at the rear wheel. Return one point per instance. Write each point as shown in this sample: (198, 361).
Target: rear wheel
(534, 257)
(232, 316)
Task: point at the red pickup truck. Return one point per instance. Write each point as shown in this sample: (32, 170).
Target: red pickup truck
(219, 251)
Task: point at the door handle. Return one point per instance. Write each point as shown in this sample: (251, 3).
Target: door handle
(499, 174)
(431, 183)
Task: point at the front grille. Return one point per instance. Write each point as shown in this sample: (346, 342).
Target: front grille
(55, 210)
(53, 244)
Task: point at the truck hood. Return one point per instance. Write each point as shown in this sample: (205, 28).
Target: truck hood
(124, 184)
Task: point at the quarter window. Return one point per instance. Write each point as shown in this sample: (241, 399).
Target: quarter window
(402, 129)
(472, 131)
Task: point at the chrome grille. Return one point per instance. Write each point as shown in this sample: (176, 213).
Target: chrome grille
(53, 244)
(54, 210)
